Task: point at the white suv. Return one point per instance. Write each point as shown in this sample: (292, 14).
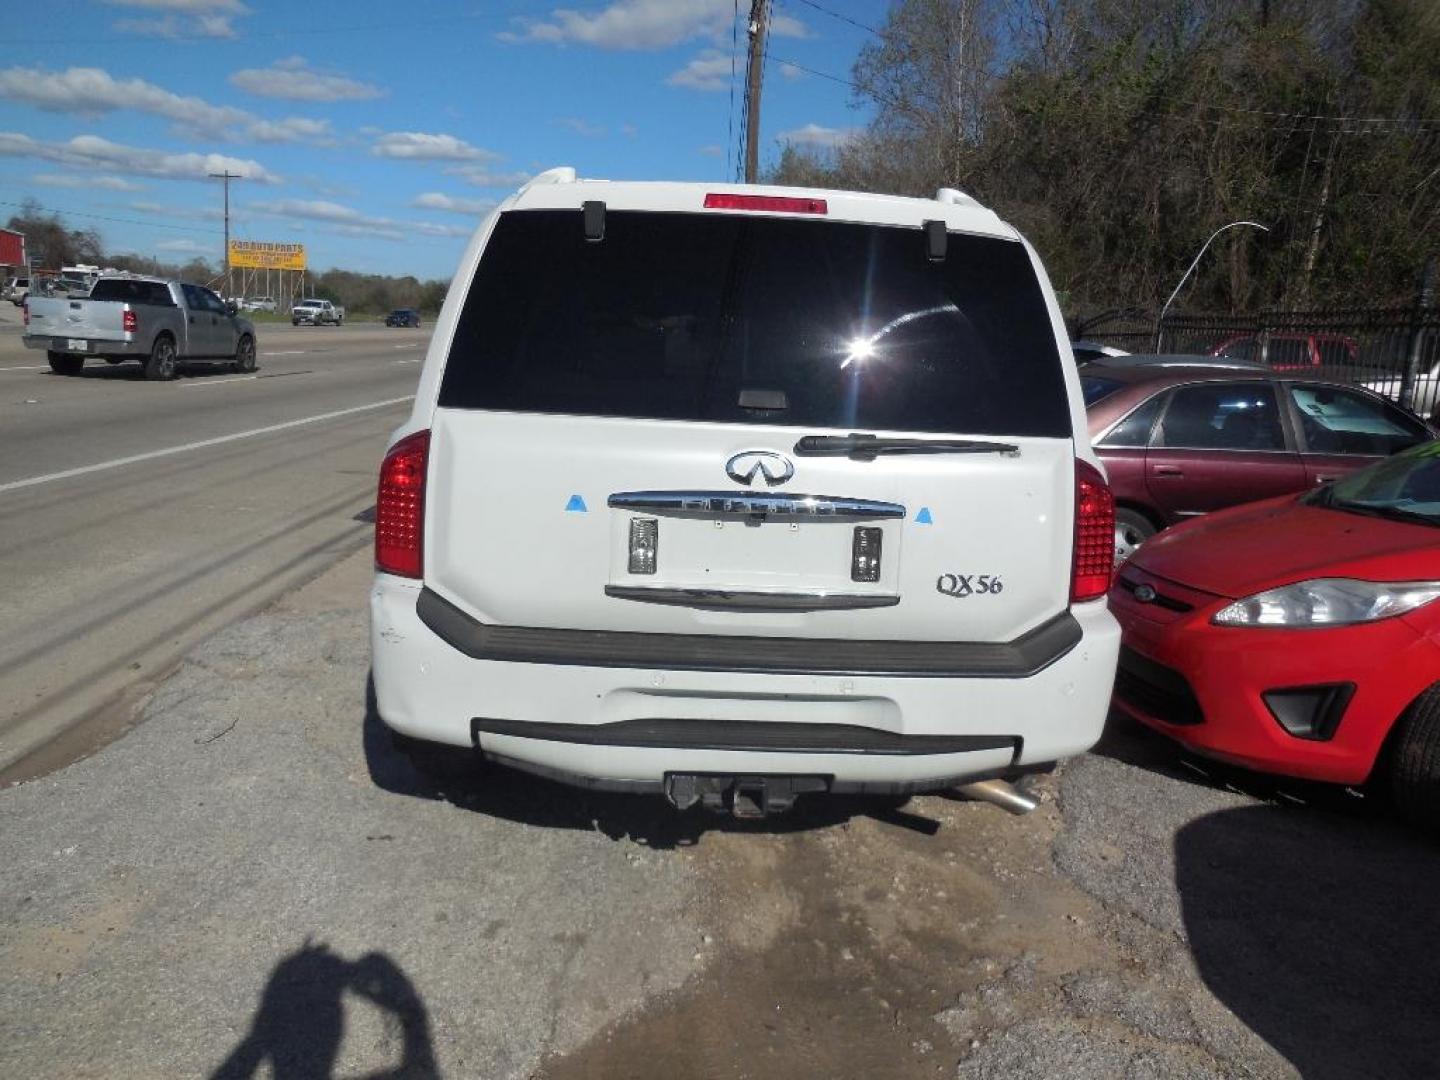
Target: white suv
(735, 492)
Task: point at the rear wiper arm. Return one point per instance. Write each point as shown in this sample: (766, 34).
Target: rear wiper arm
(868, 447)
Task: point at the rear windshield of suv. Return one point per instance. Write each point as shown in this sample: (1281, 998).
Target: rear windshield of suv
(736, 319)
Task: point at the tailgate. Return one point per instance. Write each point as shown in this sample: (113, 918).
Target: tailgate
(533, 521)
(90, 320)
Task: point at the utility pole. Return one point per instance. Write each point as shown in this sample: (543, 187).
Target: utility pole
(227, 176)
(754, 75)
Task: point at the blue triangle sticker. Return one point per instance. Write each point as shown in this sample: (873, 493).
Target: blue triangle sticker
(923, 517)
(576, 505)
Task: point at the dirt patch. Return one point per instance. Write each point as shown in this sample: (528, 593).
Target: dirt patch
(859, 947)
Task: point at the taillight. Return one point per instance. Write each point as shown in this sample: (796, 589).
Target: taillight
(400, 507)
(779, 204)
(1094, 534)
(128, 322)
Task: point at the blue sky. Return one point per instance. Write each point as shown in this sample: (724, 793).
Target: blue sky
(376, 134)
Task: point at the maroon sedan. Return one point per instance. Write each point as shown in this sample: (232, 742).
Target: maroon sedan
(1182, 438)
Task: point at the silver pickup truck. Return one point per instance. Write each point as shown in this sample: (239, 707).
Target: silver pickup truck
(317, 313)
(163, 324)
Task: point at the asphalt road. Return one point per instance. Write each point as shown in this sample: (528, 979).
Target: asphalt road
(138, 518)
(253, 883)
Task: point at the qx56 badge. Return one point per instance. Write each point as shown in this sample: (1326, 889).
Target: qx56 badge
(961, 585)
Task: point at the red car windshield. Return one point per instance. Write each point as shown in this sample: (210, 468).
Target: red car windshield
(1405, 487)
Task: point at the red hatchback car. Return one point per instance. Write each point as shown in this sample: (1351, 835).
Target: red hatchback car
(1180, 437)
(1299, 635)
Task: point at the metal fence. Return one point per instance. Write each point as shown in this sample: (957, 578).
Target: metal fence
(1395, 351)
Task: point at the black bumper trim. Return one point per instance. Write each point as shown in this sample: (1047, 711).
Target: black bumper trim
(1018, 659)
(744, 735)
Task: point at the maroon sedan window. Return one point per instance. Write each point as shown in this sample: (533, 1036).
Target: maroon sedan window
(1336, 421)
(1134, 430)
(1222, 416)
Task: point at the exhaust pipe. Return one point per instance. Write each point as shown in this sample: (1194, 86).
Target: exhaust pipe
(1000, 793)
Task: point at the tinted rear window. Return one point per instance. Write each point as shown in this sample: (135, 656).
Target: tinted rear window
(1097, 389)
(132, 292)
(757, 320)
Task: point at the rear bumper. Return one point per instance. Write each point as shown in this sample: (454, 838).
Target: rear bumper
(95, 346)
(628, 709)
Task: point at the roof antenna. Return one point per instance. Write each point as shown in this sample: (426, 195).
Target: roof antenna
(935, 240)
(594, 220)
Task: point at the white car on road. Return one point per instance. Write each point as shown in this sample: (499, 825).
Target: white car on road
(734, 493)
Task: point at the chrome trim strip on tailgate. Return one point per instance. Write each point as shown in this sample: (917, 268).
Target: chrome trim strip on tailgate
(732, 504)
(1018, 659)
(750, 735)
(736, 600)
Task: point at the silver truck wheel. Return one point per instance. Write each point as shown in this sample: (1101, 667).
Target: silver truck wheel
(162, 363)
(245, 355)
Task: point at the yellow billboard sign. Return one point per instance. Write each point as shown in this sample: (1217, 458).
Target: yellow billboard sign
(255, 255)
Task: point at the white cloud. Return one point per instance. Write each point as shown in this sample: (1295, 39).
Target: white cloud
(292, 129)
(189, 7)
(69, 180)
(710, 70)
(641, 24)
(193, 213)
(483, 176)
(581, 127)
(815, 135)
(427, 146)
(791, 72)
(429, 228)
(347, 221)
(711, 150)
(93, 152)
(293, 79)
(93, 92)
(343, 219)
(630, 131)
(435, 200)
(182, 18)
(187, 247)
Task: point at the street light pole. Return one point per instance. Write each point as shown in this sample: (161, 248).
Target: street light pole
(1161, 320)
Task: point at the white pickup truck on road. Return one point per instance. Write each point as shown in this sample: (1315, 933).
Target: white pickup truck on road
(163, 324)
(317, 312)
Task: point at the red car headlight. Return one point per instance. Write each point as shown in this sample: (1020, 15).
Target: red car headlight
(1328, 602)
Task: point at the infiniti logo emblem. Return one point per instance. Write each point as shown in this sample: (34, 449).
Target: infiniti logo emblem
(775, 468)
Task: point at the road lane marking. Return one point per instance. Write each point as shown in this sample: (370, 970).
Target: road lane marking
(101, 466)
(411, 345)
(285, 352)
(411, 360)
(30, 367)
(217, 382)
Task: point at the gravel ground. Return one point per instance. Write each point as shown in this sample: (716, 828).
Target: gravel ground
(251, 883)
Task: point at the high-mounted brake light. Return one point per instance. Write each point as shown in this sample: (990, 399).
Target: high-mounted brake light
(1094, 534)
(400, 507)
(128, 322)
(776, 204)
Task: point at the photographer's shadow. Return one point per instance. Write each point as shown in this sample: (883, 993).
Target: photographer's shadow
(300, 1025)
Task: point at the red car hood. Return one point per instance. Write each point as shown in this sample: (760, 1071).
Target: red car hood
(1249, 549)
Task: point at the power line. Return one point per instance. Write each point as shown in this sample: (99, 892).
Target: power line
(104, 217)
(843, 18)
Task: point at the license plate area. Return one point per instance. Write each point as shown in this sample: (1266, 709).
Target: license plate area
(800, 544)
(76, 345)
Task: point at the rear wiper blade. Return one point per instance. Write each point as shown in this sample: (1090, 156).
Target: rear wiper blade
(868, 447)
